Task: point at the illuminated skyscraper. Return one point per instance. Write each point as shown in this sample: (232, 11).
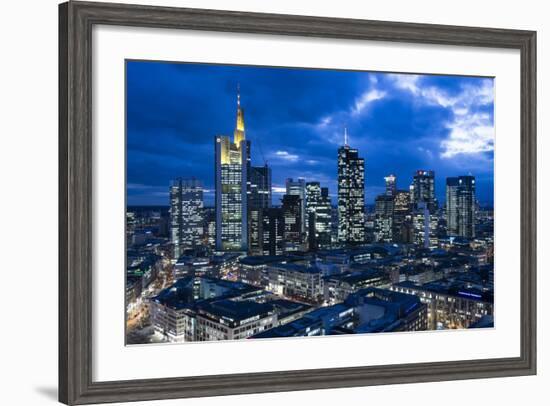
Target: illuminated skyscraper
(384, 218)
(272, 231)
(460, 206)
(391, 184)
(425, 226)
(292, 213)
(351, 195)
(259, 198)
(423, 190)
(318, 215)
(401, 216)
(298, 188)
(232, 163)
(186, 214)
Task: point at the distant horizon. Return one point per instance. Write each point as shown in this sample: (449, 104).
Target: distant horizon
(294, 119)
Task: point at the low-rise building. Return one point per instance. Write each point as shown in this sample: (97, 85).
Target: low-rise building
(301, 282)
(369, 310)
(451, 303)
(233, 319)
(338, 287)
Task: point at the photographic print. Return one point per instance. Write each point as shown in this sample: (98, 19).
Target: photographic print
(273, 202)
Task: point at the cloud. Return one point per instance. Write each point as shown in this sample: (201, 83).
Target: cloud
(285, 155)
(469, 134)
(470, 131)
(425, 151)
(366, 98)
(406, 82)
(278, 189)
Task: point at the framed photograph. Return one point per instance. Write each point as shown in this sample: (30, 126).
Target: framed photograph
(260, 202)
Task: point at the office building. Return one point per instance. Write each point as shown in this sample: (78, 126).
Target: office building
(233, 319)
(232, 164)
(298, 188)
(292, 213)
(401, 223)
(318, 213)
(272, 231)
(351, 195)
(174, 309)
(391, 184)
(259, 198)
(451, 303)
(424, 226)
(423, 190)
(297, 281)
(460, 205)
(369, 310)
(186, 214)
(383, 222)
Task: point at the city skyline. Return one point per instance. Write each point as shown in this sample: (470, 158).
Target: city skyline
(458, 107)
(255, 265)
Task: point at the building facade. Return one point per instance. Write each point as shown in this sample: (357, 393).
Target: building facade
(232, 164)
(298, 188)
(402, 220)
(318, 213)
(292, 213)
(460, 206)
(272, 231)
(186, 214)
(384, 218)
(259, 198)
(423, 189)
(351, 195)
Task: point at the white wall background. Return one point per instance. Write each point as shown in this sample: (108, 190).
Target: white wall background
(28, 199)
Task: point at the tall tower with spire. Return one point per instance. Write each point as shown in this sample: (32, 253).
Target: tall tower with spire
(232, 165)
(351, 194)
(238, 134)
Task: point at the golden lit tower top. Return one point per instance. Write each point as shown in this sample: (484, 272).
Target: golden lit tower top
(238, 135)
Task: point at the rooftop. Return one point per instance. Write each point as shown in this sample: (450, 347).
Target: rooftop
(235, 311)
(189, 291)
(292, 267)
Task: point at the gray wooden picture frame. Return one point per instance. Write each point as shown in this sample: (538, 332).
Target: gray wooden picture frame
(76, 20)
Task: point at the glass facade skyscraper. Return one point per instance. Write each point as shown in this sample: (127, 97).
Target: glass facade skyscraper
(351, 195)
(186, 214)
(259, 198)
(423, 189)
(292, 213)
(384, 207)
(232, 163)
(298, 188)
(460, 206)
(318, 215)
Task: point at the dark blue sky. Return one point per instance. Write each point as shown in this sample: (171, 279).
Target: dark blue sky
(295, 120)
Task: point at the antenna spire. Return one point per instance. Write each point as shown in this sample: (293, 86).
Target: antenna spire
(345, 136)
(238, 94)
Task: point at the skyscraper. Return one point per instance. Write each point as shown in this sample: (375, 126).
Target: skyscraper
(318, 215)
(384, 218)
(232, 163)
(260, 187)
(423, 189)
(401, 216)
(425, 226)
(351, 195)
(292, 213)
(391, 184)
(186, 214)
(298, 188)
(272, 229)
(259, 198)
(460, 206)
